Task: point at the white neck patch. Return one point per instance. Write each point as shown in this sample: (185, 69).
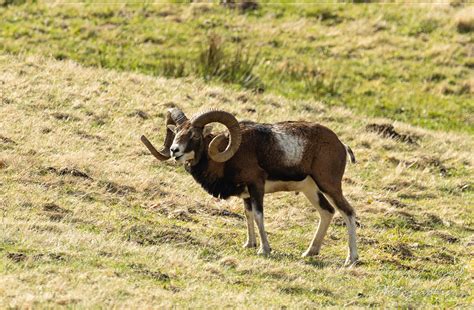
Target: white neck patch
(291, 145)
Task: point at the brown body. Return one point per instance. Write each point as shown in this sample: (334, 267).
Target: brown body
(288, 156)
(259, 157)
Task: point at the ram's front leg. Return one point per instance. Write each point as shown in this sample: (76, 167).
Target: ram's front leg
(256, 197)
(251, 240)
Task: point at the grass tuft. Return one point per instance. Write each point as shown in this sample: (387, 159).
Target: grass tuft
(6, 3)
(465, 20)
(236, 67)
(242, 6)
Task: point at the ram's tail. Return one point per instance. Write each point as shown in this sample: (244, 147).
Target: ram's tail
(350, 153)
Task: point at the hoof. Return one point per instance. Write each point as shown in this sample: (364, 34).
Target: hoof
(249, 245)
(264, 251)
(309, 253)
(351, 262)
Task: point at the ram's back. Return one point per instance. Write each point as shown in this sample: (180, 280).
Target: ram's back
(288, 150)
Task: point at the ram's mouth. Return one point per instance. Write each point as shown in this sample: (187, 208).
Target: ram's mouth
(178, 157)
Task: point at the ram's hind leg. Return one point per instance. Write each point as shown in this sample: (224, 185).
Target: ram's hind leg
(326, 212)
(348, 214)
(251, 240)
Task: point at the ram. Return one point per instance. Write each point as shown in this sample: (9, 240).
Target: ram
(254, 159)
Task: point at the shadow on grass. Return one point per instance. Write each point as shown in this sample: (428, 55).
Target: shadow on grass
(281, 256)
(317, 263)
(312, 261)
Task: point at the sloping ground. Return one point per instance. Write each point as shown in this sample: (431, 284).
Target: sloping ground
(89, 218)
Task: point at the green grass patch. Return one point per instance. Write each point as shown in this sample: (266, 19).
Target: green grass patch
(409, 63)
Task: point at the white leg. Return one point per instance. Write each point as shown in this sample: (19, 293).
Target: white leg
(251, 239)
(352, 255)
(264, 246)
(324, 222)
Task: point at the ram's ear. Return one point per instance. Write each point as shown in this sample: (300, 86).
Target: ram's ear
(207, 130)
(172, 127)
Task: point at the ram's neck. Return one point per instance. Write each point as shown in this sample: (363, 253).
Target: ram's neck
(213, 178)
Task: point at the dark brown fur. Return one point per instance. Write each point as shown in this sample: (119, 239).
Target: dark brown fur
(259, 159)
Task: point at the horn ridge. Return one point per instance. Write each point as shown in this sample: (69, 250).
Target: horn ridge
(177, 116)
(228, 120)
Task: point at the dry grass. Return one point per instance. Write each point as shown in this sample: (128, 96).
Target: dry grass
(88, 218)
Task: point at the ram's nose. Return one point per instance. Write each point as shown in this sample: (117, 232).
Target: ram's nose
(174, 150)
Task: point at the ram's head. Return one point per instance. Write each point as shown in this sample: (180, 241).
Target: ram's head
(185, 138)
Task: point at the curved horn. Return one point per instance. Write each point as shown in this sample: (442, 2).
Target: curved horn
(173, 116)
(176, 115)
(153, 150)
(232, 125)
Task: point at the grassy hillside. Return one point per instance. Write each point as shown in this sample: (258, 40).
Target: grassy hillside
(411, 63)
(89, 218)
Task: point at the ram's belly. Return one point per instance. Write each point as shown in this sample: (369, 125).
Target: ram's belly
(273, 186)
